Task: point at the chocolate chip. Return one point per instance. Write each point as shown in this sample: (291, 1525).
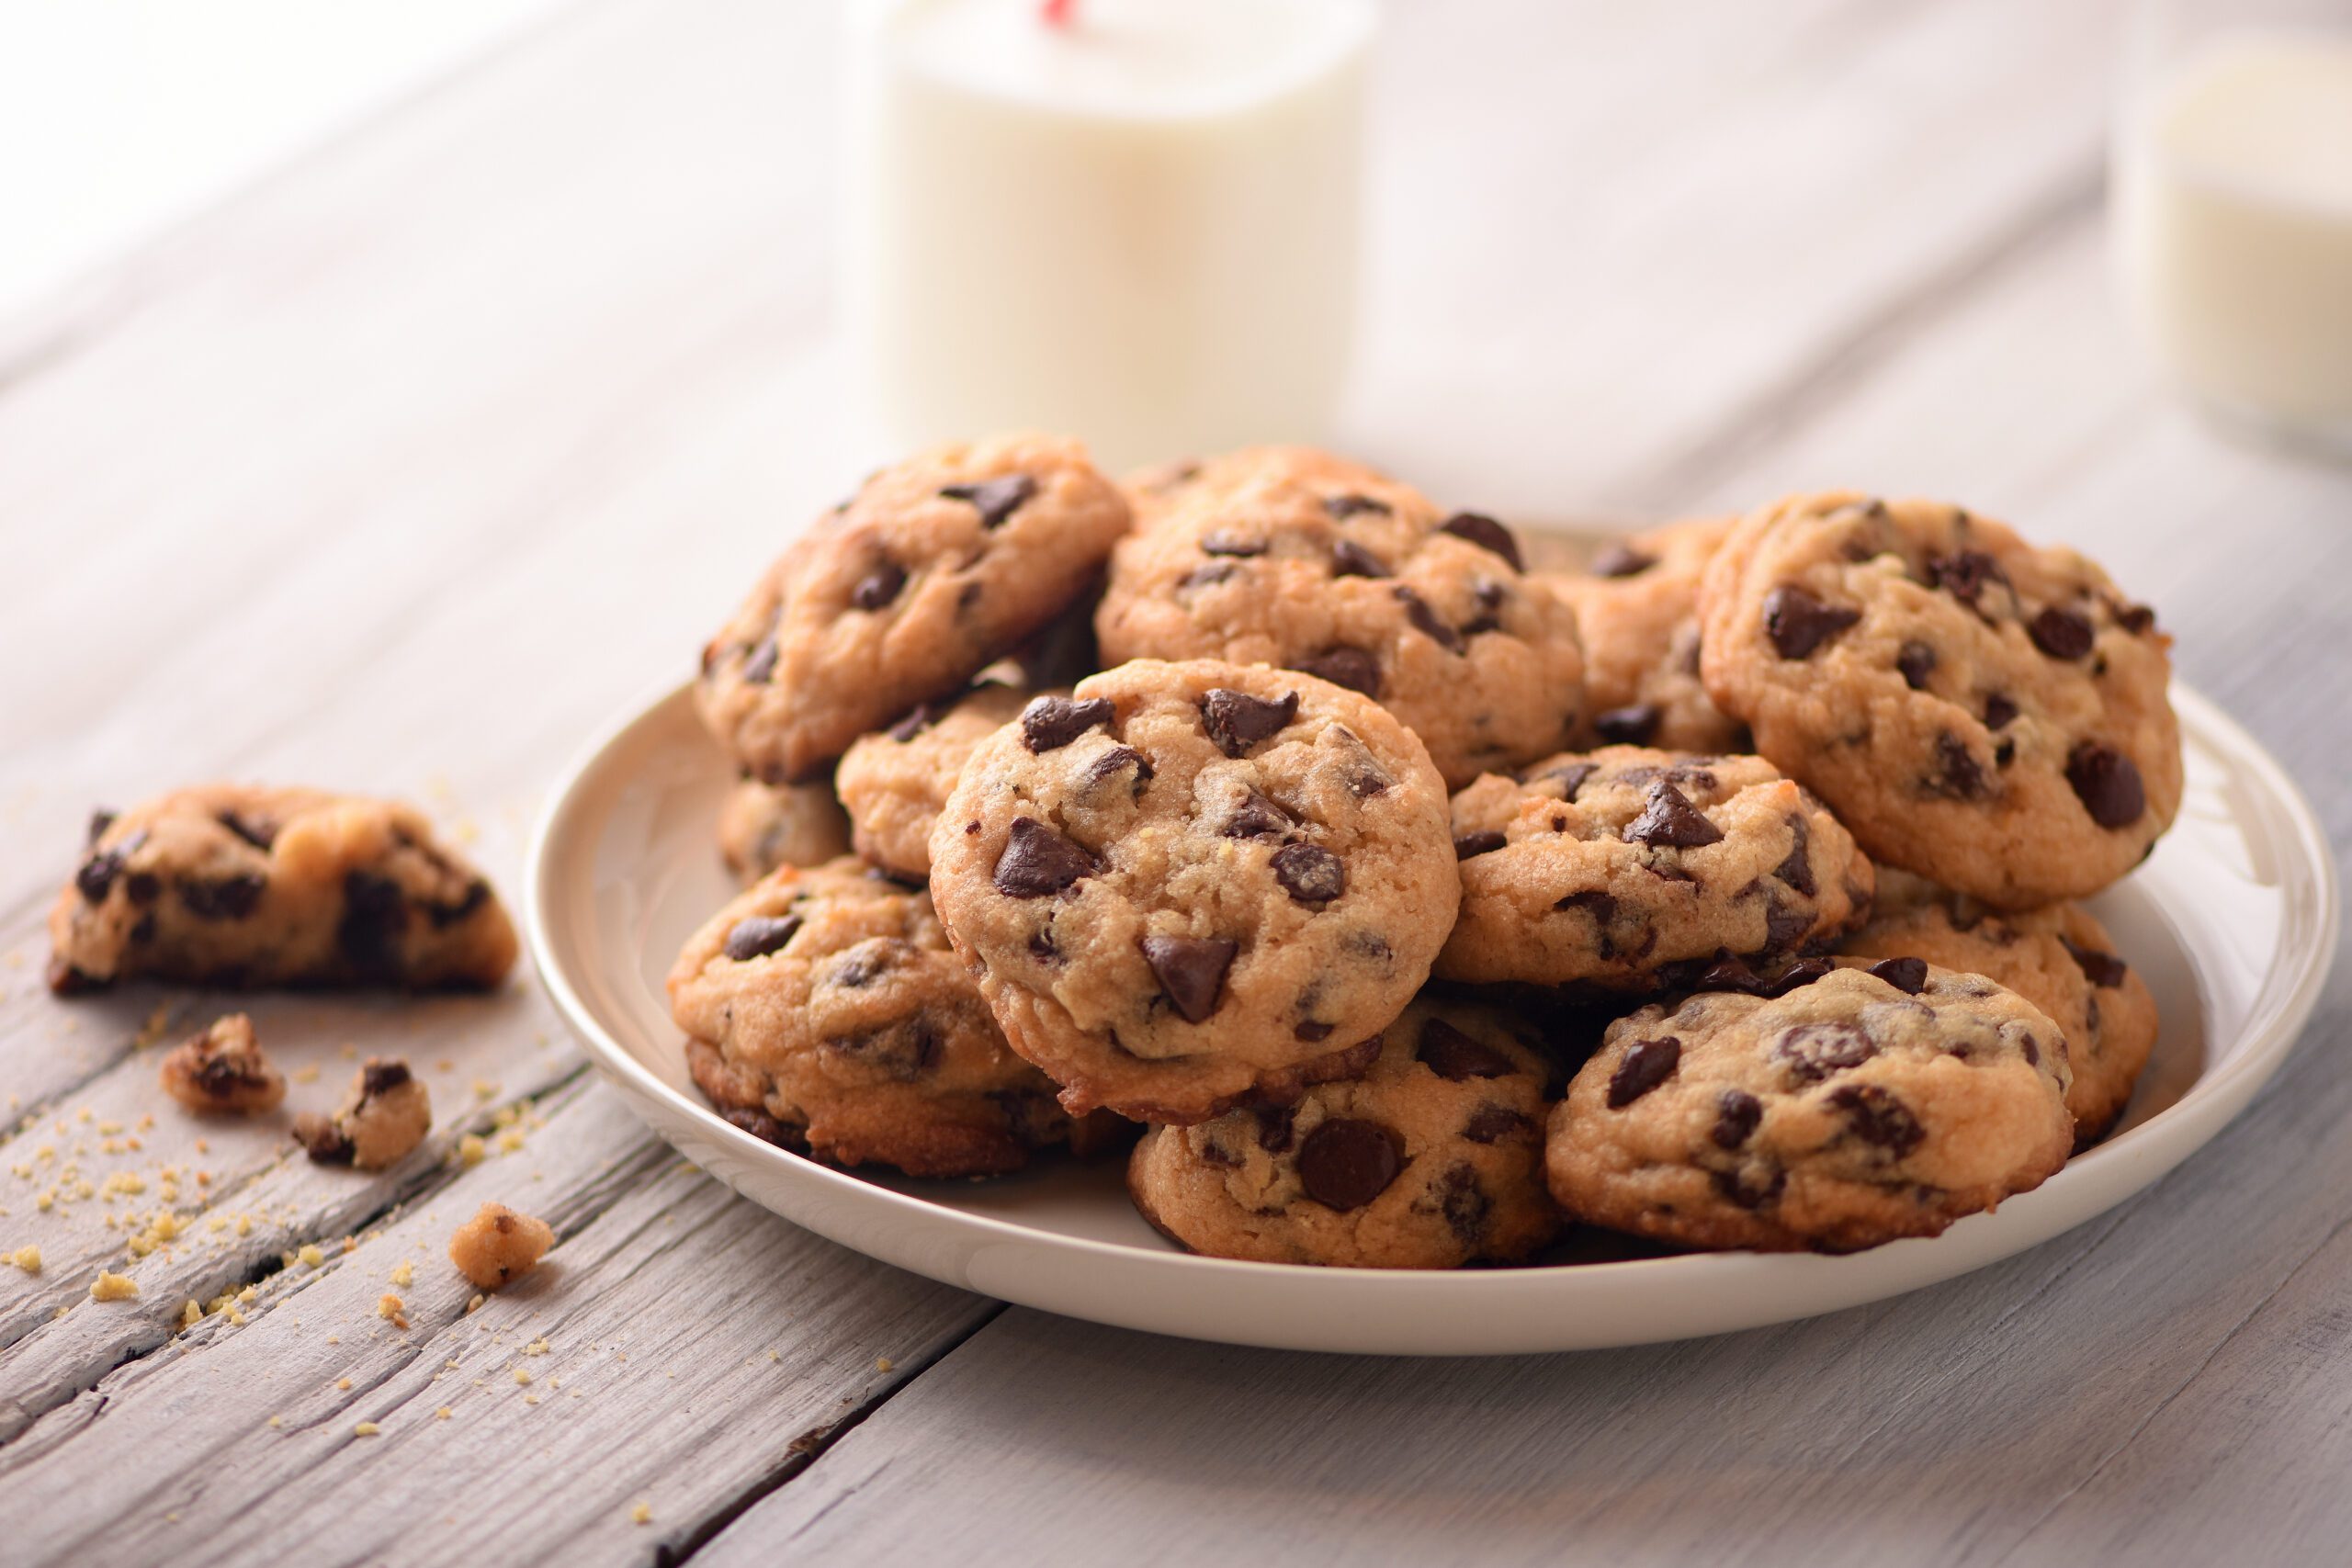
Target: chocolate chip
(444, 915)
(380, 1076)
(1796, 868)
(1572, 777)
(1908, 975)
(1965, 574)
(1425, 620)
(905, 1050)
(2106, 783)
(2132, 618)
(374, 916)
(997, 499)
(2000, 709)
(1213, 1153)
(1487, 534)
(1274, 1127)
(2061, 634)
(1492, 1123)
(1221, 543)
(2031, 1050)
(1351, 559)
(1309, 874)
(1602, 907)
(1310, 1031)
(1190, 971)
(1349, 666)
(1117, 761)
(1737, 1113)
(1798, 622)
(1646, 1064)
(1347, 1162)
(259, 835)
(321, 1140)
(1207, 576)
(1237, 721)
(878, 587)
(1630, 726)
(1038, 861)
(1916, 661)
(1814, 1051)
(2005, 753)
(1341, 507)
(1620, 561)
(1958, 774)
(861, 970)
(2103, 969)
(95, 879)
(1486, 841)
(1042, 946)
(1454, 1055)
(1051, 722)
(759, 935)
(1784, 924)
(1669, 820)
(100, 821)
(229, 898)
(1257, 817)
(1750, 1187)
(1879, 1118)
(1463, 1204)
(760, 668)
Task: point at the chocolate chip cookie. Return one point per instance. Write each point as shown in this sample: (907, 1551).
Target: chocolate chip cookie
(1631, 869)
(894, 783)
(936, 566)
(1189, 883)
(1433, 1159)
(1987, 714)
(762, 826)
(248, 885)
(2058, 957)
(1852, 1109)
(1295, 558)
(825, 1012)
(1637, 617)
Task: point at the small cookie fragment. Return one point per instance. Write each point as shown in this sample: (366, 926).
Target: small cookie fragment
(1852, 1108)
(1433, 1159)
(763, 826)
(498, 1245)
(223, 1072)
(386, 1114)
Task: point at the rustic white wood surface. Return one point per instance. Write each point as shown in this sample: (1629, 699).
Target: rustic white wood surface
(405, 468)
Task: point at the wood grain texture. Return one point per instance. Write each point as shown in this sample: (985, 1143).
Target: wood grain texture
(406, 468)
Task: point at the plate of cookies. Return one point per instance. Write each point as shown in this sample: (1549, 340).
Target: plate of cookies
(1251, 901)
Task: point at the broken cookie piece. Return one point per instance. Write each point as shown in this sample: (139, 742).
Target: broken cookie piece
(386, 1114)
(498, 1245)
(223, 1071)
(248, 885)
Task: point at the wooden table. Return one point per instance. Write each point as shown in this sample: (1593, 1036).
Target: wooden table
(408, 466)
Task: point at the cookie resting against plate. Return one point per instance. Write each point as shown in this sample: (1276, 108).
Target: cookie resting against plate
(1987, 714)
(1851, 1109)
(1189, 885)
(251, 885)
(1433, 1159)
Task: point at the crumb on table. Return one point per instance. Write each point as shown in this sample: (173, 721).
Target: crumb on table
(499, 1245)
(224, 1071)
(386, 1113)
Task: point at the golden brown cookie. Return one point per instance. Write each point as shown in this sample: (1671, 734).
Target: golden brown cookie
(1637, 617)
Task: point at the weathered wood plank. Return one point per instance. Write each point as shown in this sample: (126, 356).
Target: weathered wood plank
(684, 1349)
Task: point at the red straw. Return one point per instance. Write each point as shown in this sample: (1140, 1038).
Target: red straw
(1060, 13)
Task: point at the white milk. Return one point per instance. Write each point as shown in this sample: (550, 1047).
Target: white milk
(1140, 227)
(2234, 228)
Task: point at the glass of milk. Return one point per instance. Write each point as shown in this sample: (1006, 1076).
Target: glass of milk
(1132, 219)
(2233, 209)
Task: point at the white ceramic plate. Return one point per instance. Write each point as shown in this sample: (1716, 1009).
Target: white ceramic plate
(2232, 922)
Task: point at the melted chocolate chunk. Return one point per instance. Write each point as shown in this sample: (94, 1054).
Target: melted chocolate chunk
(1958, 774)
(1633, 725)
(1119, 760)
(260, 835)
(1207, 576)
(1310, 873)
(1454, 1055)
(1646, 1064)
(1908, 975)
(1190, 971)
(1220, 543)
(2000, 710)
(1621, 559)
(996, 499)
(2102, 969)
(1339, 508)
(229, 898)
(322, 1140)
(1738, 1114)
(1916, 661)
(1487, 534)
(380, 1076)
(1048, 723)
(1965, 574)
(2061, 634)
(374, 916)
(1492, 1123)
(95, 879)
(1602, 907)
(1463, 1204)
(1483, 842)
(1880, 1119)
(759, 935)
(2132, 618)
(100, 821)
(1798, 622)
(1257, 817)
(1796, 868)
(923, 716)
(878, 587)
(1425, 620)
(1669, 820)
(1349, 666)
(1814, 1051)
(1275, 1129)
(1237, 721)
(1310, 1031)
(2106, 783)
(905, 1050)
(1347, 1162)
(1037, 860)
(1351, 559)
(1572, 777)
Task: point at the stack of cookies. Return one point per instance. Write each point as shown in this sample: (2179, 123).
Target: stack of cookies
(1415, 902)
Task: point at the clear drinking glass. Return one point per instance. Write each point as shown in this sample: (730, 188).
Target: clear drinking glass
(2231, 209)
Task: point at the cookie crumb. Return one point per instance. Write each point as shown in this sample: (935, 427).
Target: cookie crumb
(403, 1273)
(26, 1258)
(471, 1150)
(881, 1364)
(642, 1514)
(111, 1287)
(365, 1430)
(388, 1308)
(443, 1414)
(223, 1071)
(499, 1245)
(522, 1377)
(308, 1254)
(343, 1383)
(275, 1422)
(385, 1114)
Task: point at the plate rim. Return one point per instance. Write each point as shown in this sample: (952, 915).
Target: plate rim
(2280, 1009)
